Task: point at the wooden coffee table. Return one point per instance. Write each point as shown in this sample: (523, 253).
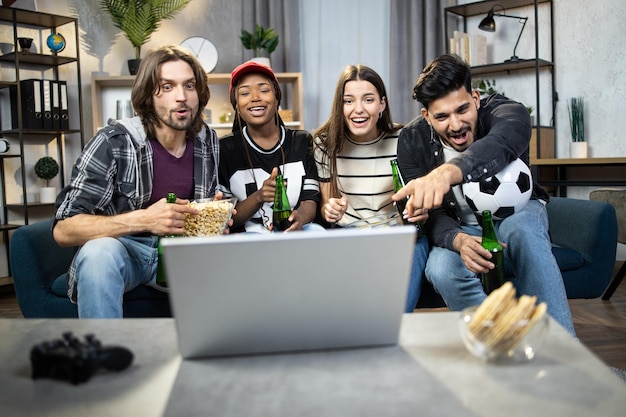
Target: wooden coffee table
(430, 373)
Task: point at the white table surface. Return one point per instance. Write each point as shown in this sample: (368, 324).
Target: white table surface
(430, 373)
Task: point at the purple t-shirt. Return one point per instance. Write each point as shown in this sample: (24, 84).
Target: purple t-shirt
(171, 174)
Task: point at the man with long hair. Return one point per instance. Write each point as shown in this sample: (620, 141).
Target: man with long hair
(114, 207)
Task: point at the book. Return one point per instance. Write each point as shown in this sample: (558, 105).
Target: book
(478, 53)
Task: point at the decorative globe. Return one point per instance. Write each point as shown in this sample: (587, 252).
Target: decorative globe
(56, 42)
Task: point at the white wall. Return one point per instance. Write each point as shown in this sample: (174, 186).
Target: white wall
(590, 60)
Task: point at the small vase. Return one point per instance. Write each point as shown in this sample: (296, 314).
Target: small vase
(25, 44)
(133, 66)
(578, 149)
(47, 195)
(262, 60)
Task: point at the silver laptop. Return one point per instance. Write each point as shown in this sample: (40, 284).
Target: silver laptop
(285, 292)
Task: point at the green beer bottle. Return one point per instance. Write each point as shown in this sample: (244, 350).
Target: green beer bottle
(282, 209)
(161, 279)
(398, 183)
(492, 279)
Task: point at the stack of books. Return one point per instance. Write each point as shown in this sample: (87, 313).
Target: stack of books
(471, 48)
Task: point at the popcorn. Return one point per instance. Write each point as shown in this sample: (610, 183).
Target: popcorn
(212, 219)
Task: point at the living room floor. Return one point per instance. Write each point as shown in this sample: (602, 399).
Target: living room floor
(600, 325)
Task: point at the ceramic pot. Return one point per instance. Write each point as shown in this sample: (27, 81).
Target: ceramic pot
(25, 44)
(262, 60)
(133, 66)
(47, 194)
(578, 149)
(6, 48)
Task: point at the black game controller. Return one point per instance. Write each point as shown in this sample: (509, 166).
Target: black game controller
(76, 361)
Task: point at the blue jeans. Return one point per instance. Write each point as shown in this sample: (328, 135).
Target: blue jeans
(108, 267)
(420, 254)
(528, 257)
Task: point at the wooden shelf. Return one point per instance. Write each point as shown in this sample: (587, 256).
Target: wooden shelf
(30, 205)
(517, 65)
(37, 59)
(291, 83)
(483, 7)
(579, 172)
(27, 17)
(581, 161)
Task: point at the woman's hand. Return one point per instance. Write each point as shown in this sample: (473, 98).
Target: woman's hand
(334, 210)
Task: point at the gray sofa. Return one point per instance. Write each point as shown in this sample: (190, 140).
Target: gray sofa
(39, 268)
(584, 234)
(584, 239)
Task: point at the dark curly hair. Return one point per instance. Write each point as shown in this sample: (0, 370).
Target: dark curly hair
(443, 75)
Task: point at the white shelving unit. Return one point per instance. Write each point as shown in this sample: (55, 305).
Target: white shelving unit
(105, 91)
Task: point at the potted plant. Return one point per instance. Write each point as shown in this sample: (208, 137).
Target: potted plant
(486, 87)
(139, 19)
(578, 147)
(47, 168)
(262, 39)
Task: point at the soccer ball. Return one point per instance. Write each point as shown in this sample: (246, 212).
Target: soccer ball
(503, 194)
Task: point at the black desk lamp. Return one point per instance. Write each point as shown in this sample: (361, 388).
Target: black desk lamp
(489, 24)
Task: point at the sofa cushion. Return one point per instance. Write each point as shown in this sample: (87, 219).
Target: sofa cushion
(568, 259)
(59, 288)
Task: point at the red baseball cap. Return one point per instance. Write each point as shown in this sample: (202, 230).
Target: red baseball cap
(252, 67)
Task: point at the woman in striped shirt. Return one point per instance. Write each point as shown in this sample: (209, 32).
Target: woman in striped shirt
(352, 152)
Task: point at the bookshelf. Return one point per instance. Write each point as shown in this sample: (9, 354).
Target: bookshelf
(50, 71)
(543, 139)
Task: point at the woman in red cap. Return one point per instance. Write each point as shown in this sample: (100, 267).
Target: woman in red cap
(259, 148)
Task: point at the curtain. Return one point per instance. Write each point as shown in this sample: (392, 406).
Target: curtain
(283, 17)
(336, 34)
(416, 37)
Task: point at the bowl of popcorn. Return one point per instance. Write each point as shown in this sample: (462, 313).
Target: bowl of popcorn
(504, 328)
(212, 219)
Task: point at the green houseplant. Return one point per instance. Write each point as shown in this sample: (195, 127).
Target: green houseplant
(139, 19)
(262, 39)
(577, 119)
(578, 147)
(47, 168)
(486, 87)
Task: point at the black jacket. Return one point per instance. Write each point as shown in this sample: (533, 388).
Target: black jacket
(503, 134)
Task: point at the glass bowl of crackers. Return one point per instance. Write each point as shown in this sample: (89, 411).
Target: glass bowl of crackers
(212, 219)
(504, 328)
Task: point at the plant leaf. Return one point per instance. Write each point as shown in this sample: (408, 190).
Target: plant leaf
(139, 19)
